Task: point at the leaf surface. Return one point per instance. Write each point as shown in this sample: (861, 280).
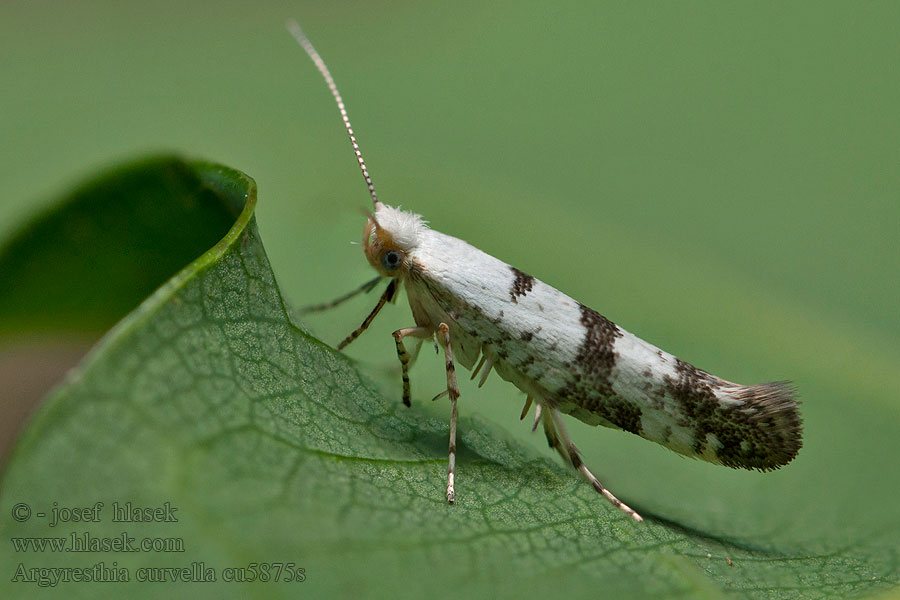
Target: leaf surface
(273, 448)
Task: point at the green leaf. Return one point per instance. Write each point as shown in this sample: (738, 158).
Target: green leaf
(107, 245)
(272, 448)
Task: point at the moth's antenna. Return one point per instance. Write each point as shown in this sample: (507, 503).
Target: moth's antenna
(301, 38)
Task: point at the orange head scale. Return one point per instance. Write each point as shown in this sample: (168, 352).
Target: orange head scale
(389, 238)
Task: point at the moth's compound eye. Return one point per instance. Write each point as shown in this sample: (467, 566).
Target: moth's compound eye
(391, 259)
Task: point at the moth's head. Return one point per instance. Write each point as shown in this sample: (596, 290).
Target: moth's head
(389, 238)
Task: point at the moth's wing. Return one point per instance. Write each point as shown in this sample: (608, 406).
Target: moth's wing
(637, 387)
(523, 324)
(567, 354)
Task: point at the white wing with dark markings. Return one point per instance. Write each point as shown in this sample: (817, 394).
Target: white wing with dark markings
(570, 357)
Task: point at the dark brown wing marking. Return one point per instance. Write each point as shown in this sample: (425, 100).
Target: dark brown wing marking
(762, 432)
(590, 387)
(521, 285)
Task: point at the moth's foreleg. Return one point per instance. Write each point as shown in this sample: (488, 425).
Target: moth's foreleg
(404, 356)
(385, 297)
(453, 392)
(574, 457)
(366, 287)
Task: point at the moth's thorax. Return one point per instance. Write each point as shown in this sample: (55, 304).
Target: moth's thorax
(388, 232)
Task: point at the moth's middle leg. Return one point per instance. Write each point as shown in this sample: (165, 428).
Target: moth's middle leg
(404, 356)
(453, 393)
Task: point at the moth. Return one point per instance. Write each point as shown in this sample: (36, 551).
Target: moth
(567, 358)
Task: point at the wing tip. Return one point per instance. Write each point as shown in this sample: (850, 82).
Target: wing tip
(771, 410)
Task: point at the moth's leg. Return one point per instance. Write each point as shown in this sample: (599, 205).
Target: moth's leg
(404, 356)
(366, 287)
(488, 360)
(453, 392)
(550, 432)
(478, 366)
(387, 295)
(575, 459)
(528, 401)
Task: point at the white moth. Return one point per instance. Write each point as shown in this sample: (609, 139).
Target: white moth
(566, 358)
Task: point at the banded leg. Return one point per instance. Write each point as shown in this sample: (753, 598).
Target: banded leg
(453, 392)
(385, 297)
(366, 287)
(566, 448)
(405, 358)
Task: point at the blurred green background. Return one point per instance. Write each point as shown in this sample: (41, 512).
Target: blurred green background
(721, 179)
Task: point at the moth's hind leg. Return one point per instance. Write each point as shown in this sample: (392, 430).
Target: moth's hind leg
(405, 357)
(453, 393)
(559, 439)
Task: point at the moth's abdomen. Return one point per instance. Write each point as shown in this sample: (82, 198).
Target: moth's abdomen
(621, 381)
